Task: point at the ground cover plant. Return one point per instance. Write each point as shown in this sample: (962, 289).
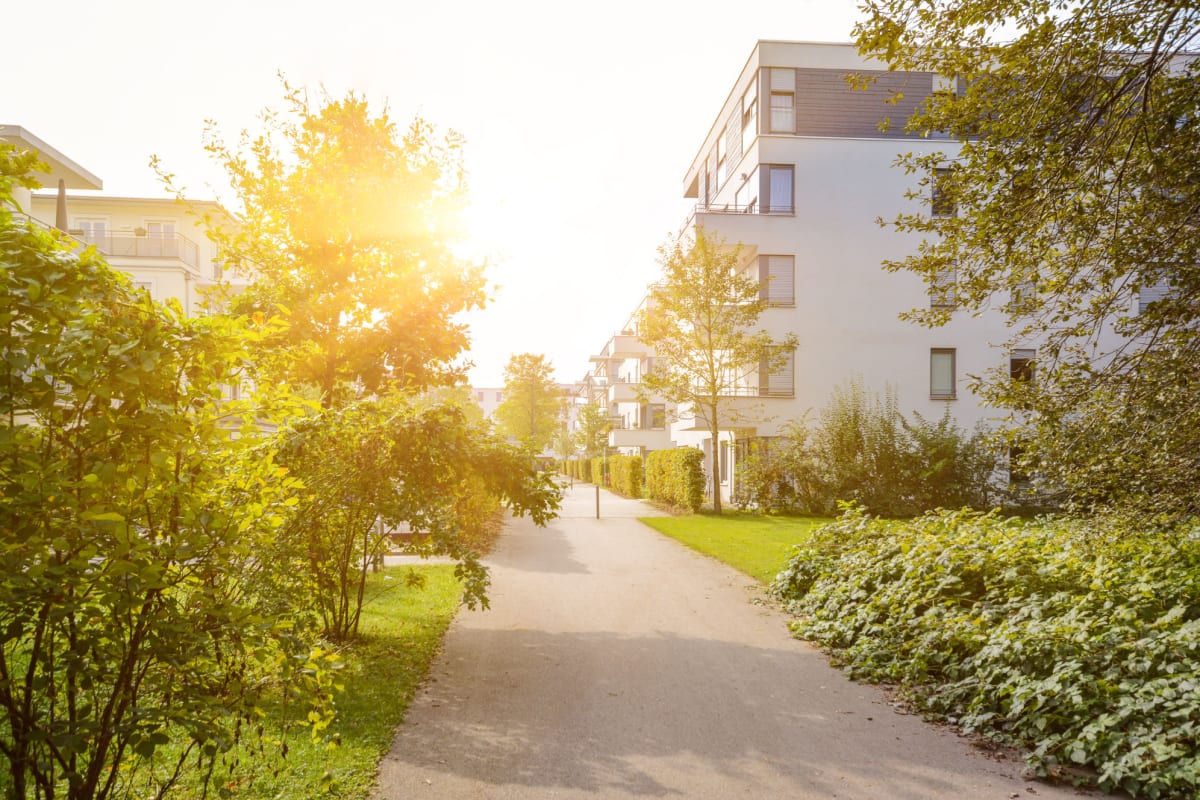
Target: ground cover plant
(754, 544)
(1077, 641)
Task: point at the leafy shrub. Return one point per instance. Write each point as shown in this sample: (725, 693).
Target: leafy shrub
(864, 450)
(1078, 642)
(599, 471)
(626, 475)
(676, 477)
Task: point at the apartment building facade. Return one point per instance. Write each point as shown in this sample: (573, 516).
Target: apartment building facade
(161, 243)
(797, 169)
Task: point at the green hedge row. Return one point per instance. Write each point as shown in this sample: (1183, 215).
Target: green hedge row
(676, 477)
(1078, 643)
(625, 473)
(580, 469)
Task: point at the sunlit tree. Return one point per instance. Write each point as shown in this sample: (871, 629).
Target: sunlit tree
(594, 424)
(532, 401)
(701, 323)
(347, 227)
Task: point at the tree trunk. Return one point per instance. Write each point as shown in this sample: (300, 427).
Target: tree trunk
(716, 461)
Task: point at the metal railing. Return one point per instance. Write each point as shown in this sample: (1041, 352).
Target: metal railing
(121, 243)
(753, 208)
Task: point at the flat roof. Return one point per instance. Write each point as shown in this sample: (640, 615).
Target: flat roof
(59, 167)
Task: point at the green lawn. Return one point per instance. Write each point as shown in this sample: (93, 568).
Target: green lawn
(402, 629)
(756, 545)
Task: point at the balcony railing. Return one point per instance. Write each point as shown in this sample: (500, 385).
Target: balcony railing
(731, 208)
(756, 391)
(753, 208)
(121, 243)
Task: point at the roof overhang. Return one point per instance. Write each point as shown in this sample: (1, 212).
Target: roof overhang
(58, 166)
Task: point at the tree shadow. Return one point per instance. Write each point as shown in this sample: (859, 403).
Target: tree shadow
(530, 549)
(637, 715)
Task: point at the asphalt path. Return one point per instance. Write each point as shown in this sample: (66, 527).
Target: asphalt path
(614, 662)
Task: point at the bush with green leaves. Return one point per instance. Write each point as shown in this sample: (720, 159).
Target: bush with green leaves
(865, 450)
(135, 605)
(675, 477)
(598, 467)
(1078, 641)
(396, 460)
(626, 472)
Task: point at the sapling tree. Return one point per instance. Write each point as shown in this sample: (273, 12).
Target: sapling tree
(701, 323)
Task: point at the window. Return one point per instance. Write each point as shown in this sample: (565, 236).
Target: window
(93, 230)
(783, 101)
(775, 189)
(943, 290)
(161, 238)
(746, 196)
(1024, 292)
(1021, 369)
(1020, 365)
(780, 381)
(777, 282)
(160, 229)
(750, 115)
(144, 286)
(724, 461)
(721, 160)
(783, 112)
(1159, 290)
(479, 395)
(654, 417)
(499, 396)
(941, 203)
(942, 382)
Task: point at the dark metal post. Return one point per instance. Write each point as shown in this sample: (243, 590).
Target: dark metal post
(597, 501)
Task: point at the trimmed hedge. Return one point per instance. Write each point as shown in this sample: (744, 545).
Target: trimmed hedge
(625, 473)
(1078, 642)
(676, 477)
(598, 471)
(580, 469)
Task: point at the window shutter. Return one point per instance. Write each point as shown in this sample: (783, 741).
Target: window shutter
(780, 273)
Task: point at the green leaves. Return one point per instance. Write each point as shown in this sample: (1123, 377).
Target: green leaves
(1078, 641)
(395, 462)
(532, 405)
(132, 594)
(1075, 148)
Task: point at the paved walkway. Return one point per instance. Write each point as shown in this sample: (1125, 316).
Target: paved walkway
(616, 663)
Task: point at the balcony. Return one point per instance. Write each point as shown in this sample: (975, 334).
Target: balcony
(622, 392)
(735, 223)
(129, 244)
(639, 437)
(620, 347)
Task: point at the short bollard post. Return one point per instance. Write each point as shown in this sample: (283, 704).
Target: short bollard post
(597, 501)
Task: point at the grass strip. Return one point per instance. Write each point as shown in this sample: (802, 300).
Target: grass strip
(754, 544)
(401, 631)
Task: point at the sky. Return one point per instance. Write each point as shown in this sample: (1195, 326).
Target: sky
(580, 119)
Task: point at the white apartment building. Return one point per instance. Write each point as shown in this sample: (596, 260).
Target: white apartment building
(796, 169)
(161, 243)
(637, 424)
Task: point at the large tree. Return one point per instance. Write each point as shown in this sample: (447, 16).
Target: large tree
(701, 323)
(532, 401)
(1070, 200)
(347, 229)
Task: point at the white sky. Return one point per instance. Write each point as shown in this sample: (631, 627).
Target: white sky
(580, 119)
